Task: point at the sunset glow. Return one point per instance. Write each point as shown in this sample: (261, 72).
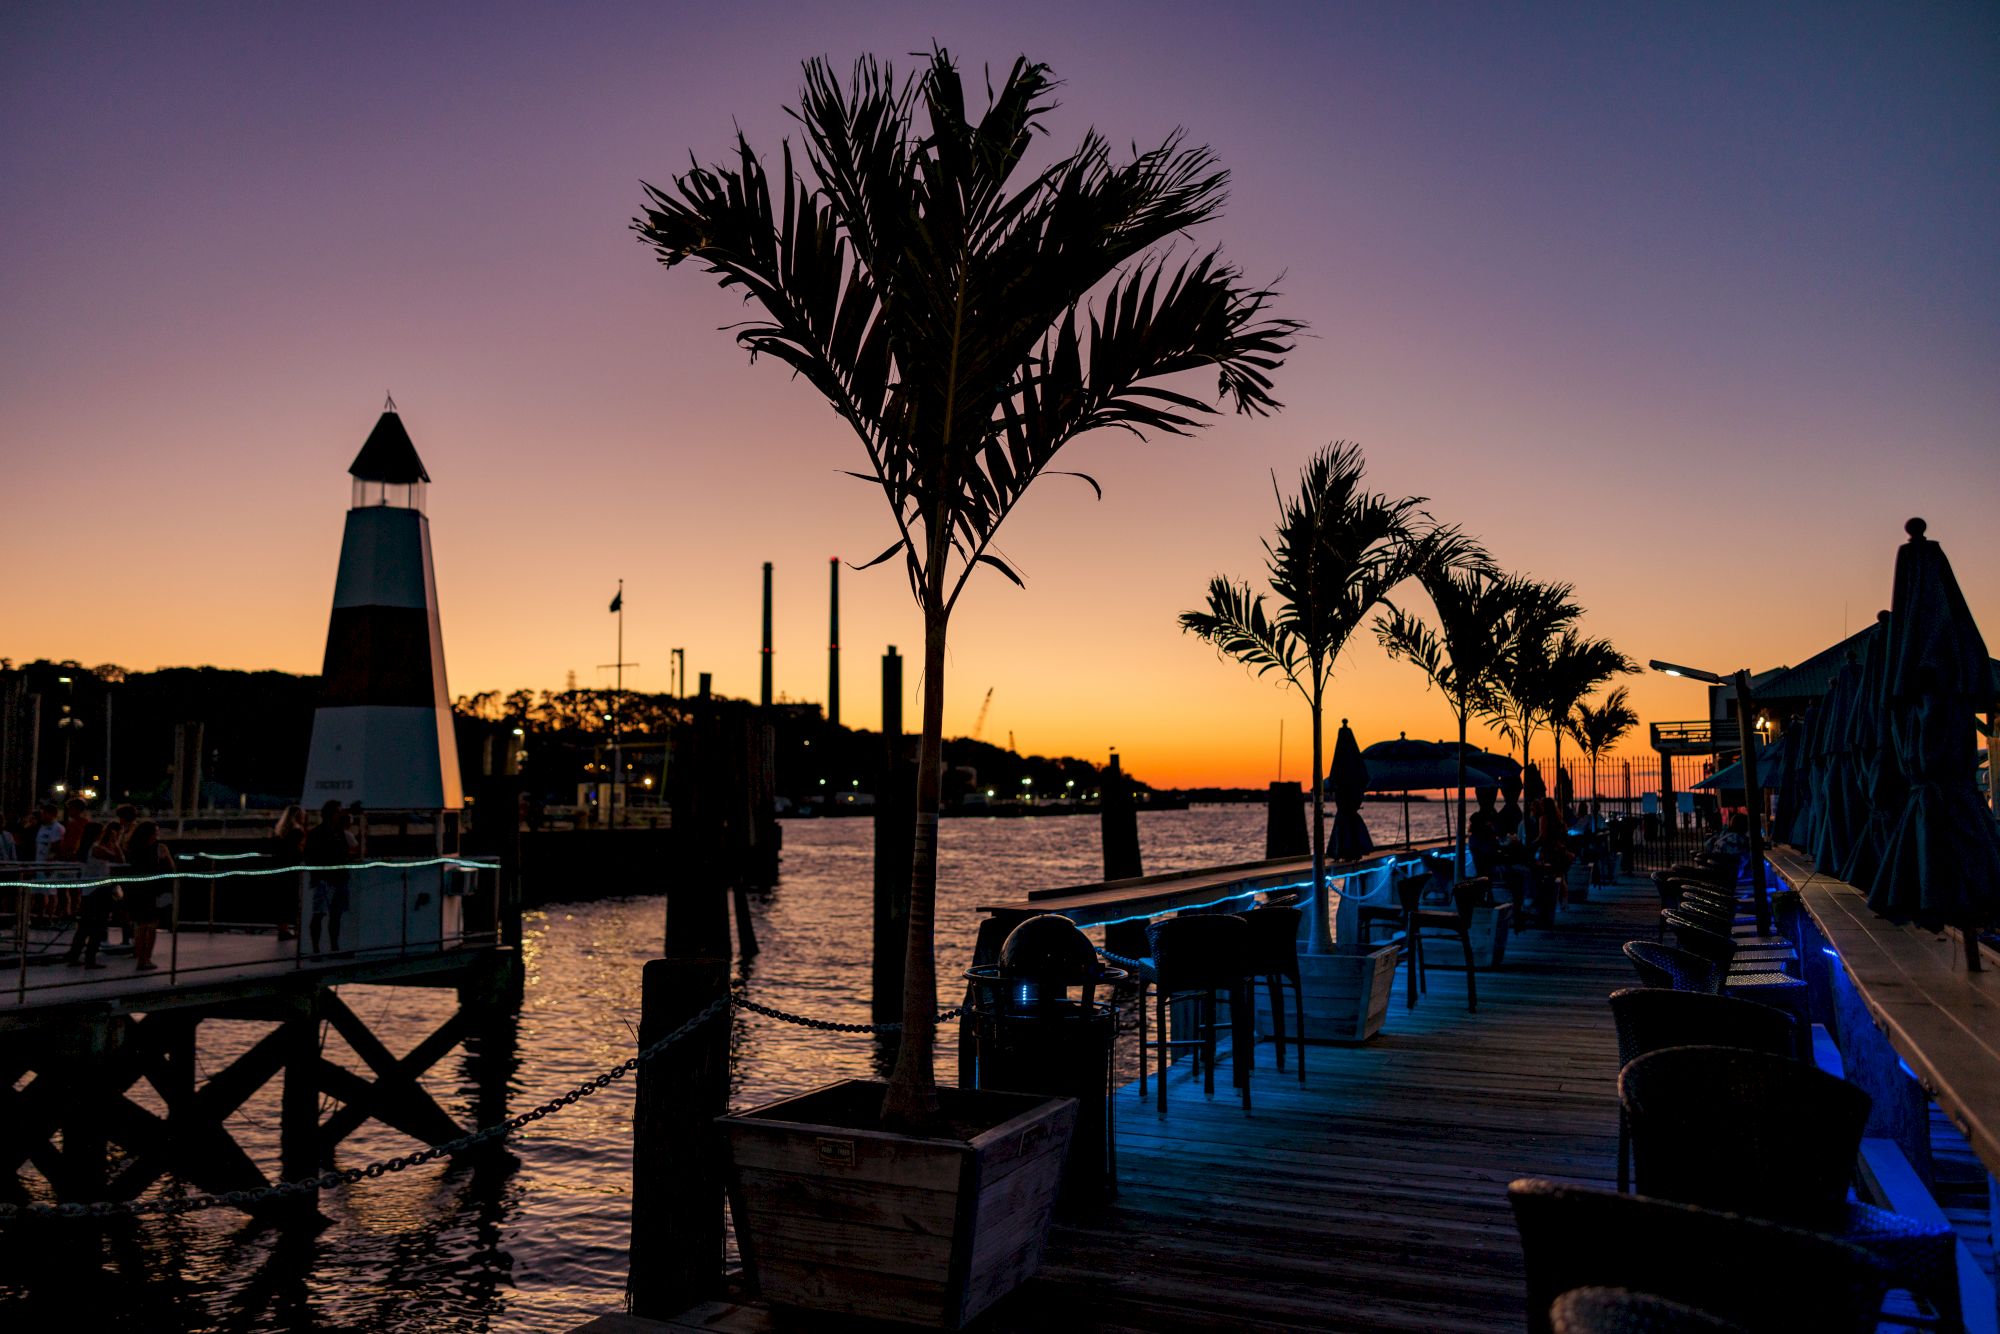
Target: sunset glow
(1654, 303)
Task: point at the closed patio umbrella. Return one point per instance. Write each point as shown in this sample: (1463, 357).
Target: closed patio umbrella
(1942, 863)
(1789, 745)
(1882, 787)
(1839, 791)
(1347, 777)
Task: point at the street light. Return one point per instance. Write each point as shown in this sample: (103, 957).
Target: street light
(1753, 792)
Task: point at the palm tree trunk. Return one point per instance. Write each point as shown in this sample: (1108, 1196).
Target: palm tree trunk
(1555, 788)
(911, 1104)
(1322, 935)
(1463, 869)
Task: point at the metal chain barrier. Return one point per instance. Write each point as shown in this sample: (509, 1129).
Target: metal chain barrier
(172, 1205)
(828, 1025)
(243, 1199)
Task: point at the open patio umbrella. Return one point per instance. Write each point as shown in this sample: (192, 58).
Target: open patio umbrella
(1347, 777)
(1408, 766)
(1770, 770)
(1942, 864)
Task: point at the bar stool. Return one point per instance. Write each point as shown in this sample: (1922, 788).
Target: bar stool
(1455, 921)
(1274, 956)
(1194, 957)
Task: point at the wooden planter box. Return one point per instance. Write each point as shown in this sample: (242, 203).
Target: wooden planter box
(1346, 995)
(1491, 924)
(835, 1215)
(1578, 877)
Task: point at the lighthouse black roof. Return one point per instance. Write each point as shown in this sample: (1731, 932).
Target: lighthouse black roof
(388, 455)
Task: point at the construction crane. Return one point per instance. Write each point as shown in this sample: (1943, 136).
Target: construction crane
(979, 724)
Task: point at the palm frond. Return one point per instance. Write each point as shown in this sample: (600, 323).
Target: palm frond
(1236, 624)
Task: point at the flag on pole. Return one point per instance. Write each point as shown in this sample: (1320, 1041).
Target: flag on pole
(618, 603)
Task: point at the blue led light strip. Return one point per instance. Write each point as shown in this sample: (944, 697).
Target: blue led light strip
(1342, 878)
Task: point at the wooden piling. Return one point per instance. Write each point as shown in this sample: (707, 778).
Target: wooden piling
(697, 924)
(1285, 822)
(676, 1256)
(895, 829)
(1119, 825)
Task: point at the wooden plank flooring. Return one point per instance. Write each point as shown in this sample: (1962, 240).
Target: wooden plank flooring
(1373, 1197)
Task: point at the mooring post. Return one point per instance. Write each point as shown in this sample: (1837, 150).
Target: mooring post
(895, 830)
(1285, 822)
(676, 1256)
(1120, 826)
(298, 1098)
(697, 888)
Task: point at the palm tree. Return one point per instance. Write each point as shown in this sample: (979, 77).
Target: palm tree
(1599, 729)
(1463, 656)
(1543, 613)
(1337, 554)
(944, 309)
(1576, 667)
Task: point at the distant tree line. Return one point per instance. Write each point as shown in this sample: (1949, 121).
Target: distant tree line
(114, 734)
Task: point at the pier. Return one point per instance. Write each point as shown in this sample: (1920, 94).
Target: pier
(74, 1043)
(1373, 1195)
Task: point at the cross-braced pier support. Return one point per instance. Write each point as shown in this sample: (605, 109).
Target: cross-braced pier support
(68, 1080)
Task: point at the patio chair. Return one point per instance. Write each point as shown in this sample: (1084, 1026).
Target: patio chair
(1578, 1236)
(1752, 1133)
(1671, 968)
(1621, 1311)
(1650, 1019)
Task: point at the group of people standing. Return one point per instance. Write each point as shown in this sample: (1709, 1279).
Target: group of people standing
(87, 872)
(326, 847)
(122, 863)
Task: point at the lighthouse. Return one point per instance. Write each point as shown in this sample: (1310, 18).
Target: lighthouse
(382, 733)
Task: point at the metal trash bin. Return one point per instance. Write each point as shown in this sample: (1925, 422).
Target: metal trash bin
(1031, 1036)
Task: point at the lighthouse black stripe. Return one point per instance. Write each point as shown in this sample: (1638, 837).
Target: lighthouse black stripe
(377, 655)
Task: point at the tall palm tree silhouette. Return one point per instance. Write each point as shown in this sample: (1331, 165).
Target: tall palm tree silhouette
(1598, 729)
(1463, 656)
(967, 319)
(1337, 554)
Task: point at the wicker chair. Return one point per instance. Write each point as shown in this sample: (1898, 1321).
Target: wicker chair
(1576, 1237)
(1650, 1019)
(1274, 957)
(1724, 1128)
(1193, 957)
(1619, 1311)
(1671, 968)
(1670, 891)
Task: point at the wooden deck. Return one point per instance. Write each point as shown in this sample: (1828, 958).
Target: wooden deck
(210, 968)
(1373, 1197)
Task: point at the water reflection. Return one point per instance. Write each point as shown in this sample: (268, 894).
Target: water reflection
(531, 1234)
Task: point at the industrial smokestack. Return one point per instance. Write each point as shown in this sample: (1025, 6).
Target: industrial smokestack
(766, 697)
(833, 644)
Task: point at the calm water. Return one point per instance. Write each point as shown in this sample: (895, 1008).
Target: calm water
(534, 1238)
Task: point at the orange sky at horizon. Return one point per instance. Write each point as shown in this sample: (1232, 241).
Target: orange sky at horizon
(1700, 356)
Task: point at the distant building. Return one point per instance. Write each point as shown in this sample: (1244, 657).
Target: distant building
(382, 732)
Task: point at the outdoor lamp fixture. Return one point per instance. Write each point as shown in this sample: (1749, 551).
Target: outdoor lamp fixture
(1753, 792)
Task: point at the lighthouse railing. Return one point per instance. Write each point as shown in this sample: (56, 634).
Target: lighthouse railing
(397, 907)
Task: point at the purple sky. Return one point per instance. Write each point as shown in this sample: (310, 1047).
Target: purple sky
(1642, 297)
